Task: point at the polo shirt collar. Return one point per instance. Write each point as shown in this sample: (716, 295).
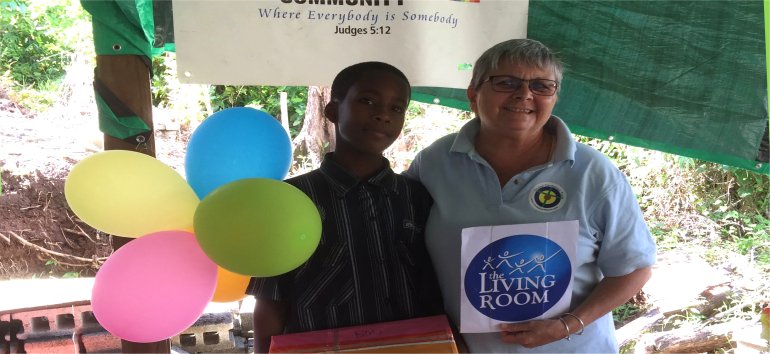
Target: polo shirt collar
(343, 181)
(563, 151)
(466, 136)
(565, 144)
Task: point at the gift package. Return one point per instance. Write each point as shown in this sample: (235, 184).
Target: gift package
(418, 335)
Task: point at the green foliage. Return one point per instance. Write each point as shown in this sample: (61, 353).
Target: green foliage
(37, 41)
(194, 100)
(616, 152)
(37, 100)
(266, 98)
(628, 348)
(690, 317)
(625, 313)
(53, 267)
(32, 40)
(162, 74)
(738, 202)
(188, 101)
(694, 202)
(424, 124)
(415, 110)
(70, 275)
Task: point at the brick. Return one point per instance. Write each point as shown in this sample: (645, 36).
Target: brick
(49, 342)
(98, 340)
(213, 332)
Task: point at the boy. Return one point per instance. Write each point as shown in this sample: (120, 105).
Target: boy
(371, 264)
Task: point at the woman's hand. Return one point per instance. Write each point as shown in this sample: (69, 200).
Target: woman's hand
(611, 292)
(532, 334)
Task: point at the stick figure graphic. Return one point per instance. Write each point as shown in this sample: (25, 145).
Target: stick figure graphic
(506, 255)
(488, 263)
(540, 260)
(520, 264)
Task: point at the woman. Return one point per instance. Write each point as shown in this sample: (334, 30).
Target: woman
(494, 171)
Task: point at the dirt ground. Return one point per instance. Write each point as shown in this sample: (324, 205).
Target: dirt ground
(39, 234)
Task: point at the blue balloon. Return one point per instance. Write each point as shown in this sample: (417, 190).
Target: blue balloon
(233, 144)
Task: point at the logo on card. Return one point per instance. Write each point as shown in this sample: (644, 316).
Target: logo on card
(547, 197)
(517, 278)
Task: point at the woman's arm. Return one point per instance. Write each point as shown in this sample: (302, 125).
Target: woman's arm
(610, 293)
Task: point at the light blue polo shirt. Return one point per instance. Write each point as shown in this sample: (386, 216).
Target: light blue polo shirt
(583, 184)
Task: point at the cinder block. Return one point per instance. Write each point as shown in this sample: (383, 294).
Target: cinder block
(246, 314)
(51, 330)
(223, 328)
(98, 340)
(49, 342)
(244, 337)
(14, 333)
(211, 334)
(65, 318)
(5, 333)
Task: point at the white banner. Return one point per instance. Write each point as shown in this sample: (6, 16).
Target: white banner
(307, 42)
(515, 273)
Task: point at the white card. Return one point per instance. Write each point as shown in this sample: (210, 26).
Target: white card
(516, 273)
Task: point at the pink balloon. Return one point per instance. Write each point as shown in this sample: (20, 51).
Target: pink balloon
(154, 287)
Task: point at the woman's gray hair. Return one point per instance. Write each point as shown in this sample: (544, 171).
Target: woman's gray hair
(521, 51)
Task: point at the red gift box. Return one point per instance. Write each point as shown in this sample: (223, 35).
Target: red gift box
(417, 335)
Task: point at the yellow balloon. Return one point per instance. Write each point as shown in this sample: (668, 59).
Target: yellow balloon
(129, 194)
(230, 286)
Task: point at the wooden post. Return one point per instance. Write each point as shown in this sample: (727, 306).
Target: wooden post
(128, 77)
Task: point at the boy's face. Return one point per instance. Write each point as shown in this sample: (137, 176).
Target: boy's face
(370, 117)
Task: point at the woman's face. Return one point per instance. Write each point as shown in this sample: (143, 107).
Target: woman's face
(517, 114)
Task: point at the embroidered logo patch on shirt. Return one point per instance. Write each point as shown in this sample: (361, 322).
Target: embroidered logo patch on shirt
(547, 197)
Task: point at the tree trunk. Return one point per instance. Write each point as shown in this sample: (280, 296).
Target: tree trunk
(316, 137)
(632, 330)
(690, 340)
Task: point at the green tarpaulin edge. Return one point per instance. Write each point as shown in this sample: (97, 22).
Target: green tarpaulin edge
(453, 98)
(767, 69)
(122, 27)
(661, 102)
(118, 127)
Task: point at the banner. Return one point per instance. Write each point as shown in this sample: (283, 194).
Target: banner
(307, 42)
(515, 273)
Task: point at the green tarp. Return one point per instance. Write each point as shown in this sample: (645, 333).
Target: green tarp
(119, 127)
(687, 77)
(684, 77)
(122, 27)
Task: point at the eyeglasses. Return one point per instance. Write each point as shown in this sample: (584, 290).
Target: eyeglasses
(507, 83)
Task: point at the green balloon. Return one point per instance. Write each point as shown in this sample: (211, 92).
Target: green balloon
(258, 226)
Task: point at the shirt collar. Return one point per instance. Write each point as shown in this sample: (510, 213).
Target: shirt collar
(565, 144)
(343, 181)
(563, 151)
(466, 136)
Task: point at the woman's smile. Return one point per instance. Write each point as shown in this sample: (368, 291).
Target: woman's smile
(518, 110)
